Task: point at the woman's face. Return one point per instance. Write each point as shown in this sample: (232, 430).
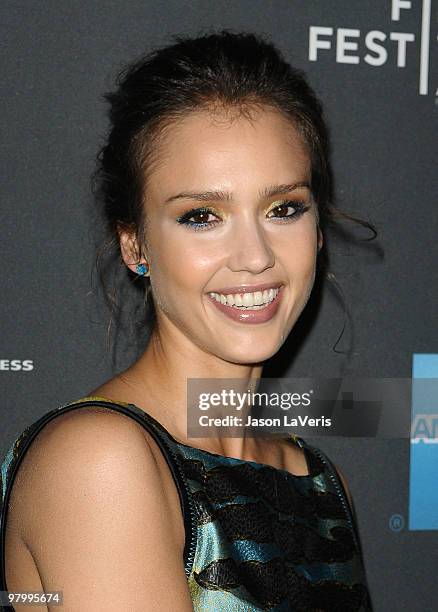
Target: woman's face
(231, 222)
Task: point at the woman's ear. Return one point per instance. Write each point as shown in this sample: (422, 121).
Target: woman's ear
(129, 249)
(320, 239)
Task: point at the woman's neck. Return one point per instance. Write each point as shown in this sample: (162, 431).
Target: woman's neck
(158, 383)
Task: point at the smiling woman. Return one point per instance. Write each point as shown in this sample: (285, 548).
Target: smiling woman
(216, 190)
(241, 244)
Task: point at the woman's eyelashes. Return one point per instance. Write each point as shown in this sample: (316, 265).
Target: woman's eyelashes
(287, 211)
(284, 210)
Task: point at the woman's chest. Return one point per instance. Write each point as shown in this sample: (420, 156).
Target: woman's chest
(267, 541)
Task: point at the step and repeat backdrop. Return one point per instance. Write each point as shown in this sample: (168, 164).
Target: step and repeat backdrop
(374, 66)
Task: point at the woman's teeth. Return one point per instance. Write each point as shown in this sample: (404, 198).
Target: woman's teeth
(242, 301)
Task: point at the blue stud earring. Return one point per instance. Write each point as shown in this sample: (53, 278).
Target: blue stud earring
(141, 269)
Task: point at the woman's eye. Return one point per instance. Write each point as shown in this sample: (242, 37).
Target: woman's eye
(288, 210)
(198, 218)
(204, 218)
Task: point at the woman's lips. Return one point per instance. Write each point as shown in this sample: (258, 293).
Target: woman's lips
(248, 315)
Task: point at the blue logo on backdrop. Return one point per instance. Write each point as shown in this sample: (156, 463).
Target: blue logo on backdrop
(423, 478)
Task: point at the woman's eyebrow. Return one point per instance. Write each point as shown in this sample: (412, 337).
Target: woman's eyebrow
(267, 192)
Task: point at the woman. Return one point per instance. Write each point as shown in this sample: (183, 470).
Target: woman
(216, 188)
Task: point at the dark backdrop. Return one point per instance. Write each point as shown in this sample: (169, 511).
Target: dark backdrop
(58, 57)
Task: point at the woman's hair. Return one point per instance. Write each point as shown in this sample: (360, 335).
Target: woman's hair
(236, 71)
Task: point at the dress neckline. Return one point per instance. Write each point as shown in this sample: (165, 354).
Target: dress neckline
(294, 439)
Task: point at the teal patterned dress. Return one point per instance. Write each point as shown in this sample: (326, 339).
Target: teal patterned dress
(257, 537)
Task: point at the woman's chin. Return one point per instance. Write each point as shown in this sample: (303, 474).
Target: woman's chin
(249, 355)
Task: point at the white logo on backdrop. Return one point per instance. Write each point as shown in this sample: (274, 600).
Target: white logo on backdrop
(345, 43)
(13, 365)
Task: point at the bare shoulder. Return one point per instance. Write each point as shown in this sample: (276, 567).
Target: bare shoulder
(74, 442)
(81, 450)
(93, 510)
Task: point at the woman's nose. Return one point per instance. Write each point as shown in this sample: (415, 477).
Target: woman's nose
(249, 249)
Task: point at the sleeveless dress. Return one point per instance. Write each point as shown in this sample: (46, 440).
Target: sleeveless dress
(257, 537)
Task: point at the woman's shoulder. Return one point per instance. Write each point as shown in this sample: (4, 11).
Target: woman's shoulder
(80, 419)
(86, 443)
(77, 430)
(89, 484)
(84, 449)
(87, 425)
(316, 455)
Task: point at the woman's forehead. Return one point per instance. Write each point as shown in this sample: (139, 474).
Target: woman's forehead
(214, 148)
